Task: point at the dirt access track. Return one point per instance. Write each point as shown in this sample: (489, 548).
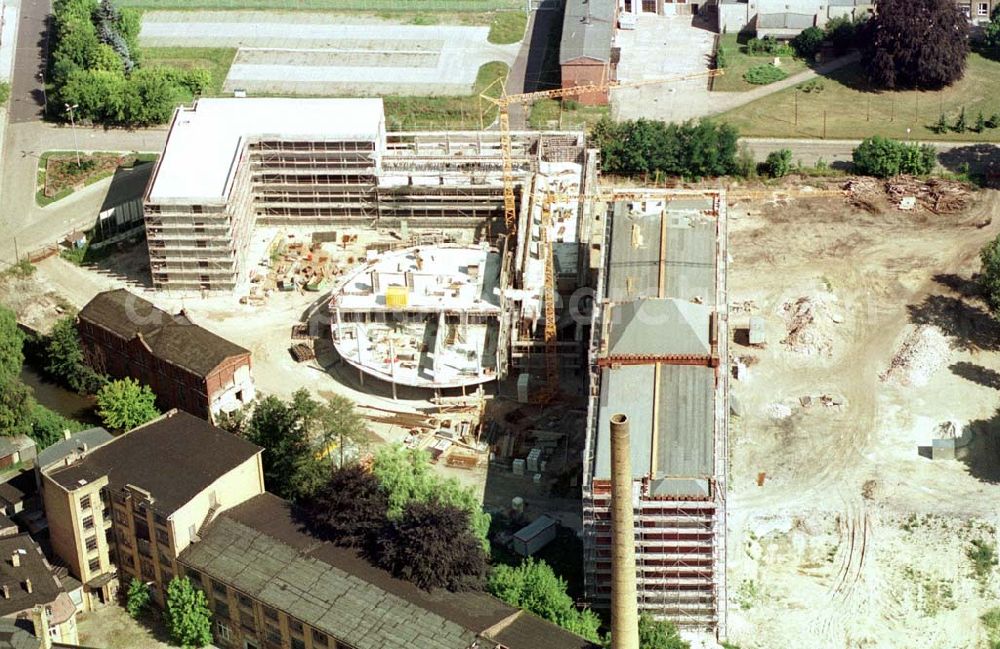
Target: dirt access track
(843, 533)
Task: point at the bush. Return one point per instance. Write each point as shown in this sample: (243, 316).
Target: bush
(761, 75)
(721, 57)
(983, 556)
(778, 163)
(47, 426)
(844, 33)
(768, 46)
(808, 42)
(691, 149)
(881, 157)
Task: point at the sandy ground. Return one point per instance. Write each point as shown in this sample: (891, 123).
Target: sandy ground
(856, 539)
(317, 53)
(112, 628)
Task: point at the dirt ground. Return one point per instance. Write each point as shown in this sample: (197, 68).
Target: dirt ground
(842, 530)
(112, 628)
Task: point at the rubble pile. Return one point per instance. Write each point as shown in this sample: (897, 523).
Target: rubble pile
(808, 321)
(935, 195)
(923, 351)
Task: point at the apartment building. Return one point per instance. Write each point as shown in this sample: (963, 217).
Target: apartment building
(659, 350)
(129, 507)
(186, 366)
(29, 588)
(272, 586)
(230, 164)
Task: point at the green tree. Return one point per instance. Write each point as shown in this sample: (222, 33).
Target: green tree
(47, 426)
(336, 424)
(125, 404)
(189, 621)
(980, 123)
(882, 157)
(659, 634)
(808, 42)
(137, 598)
(11, 345)
(406, 475)
(778, 163)
(65, 358)
(960, 123)
(991, 33)
(989, 278)
(534, 587)
(16, 407)
(941, 126)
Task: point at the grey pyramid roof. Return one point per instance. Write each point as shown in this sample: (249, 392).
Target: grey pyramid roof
(659, 327)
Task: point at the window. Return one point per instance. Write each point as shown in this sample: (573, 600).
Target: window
(95, 564)
(85, 502)
(219, 588)
(92, 544)
(244, 600)
(162, 537)
(272, 634)
(193, 575)
(984, 9)
(88, 523)
(319, 640)
(126, 560)
(167, 576)
(221, 609)
(148, 572)
(270, 613)
(223, 631)
(295, 626)
(165, 560)
(121, 518)
(298, 644)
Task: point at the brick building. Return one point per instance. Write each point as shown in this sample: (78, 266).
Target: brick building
(585, 52)
(186, 366)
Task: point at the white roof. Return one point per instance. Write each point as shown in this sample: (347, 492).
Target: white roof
(204, 140)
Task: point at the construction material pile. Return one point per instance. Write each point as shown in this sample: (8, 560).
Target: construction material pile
(922, 352)
(809, 321)
(935, 195)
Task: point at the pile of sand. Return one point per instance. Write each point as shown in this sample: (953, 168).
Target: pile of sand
(809, 321)
(923, 350)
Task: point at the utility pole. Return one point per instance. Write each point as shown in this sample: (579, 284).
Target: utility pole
(824, 124)
(76, 142)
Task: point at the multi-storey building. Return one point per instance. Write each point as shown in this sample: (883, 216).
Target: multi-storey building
(186, 366)
(179, 497)
(659, 356)
(320, 163)
(128, 507)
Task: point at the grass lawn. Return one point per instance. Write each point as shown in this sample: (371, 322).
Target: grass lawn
(217, 60)
(738, 62)
(852, 110)
(446, 6)
(508, 27)
(59, 175)
(404, 113)
(551, 113)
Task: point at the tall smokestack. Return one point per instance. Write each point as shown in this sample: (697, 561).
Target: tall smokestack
(624, 599)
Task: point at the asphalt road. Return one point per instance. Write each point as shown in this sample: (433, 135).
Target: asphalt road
(27, 91)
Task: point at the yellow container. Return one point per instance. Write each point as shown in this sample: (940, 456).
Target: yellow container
(396, 296)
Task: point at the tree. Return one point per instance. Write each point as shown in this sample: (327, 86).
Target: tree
(882, 157)
(691, 149)
(47, 426)
(65, 360)
(16, 406)
(808, 42)
(125, 404)
(991, 33)
(941, 126)
(349, 509)
(980, 123)
(989, 278)
(534, 587)
(11, 345)
(431, 545)
(917, 44)
(960, 123)
(189, 621)
(659, 634)
(337, 423)
(137, 598)
(295, 465)
(406, 476)
(778, 163)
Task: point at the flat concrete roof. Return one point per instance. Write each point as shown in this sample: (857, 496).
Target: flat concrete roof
(202, 151)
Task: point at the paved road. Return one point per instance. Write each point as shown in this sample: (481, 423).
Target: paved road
(23, 225)
(27, 92)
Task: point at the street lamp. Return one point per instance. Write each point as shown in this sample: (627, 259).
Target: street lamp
(76, 143)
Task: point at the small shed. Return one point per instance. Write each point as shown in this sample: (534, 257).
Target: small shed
(757, 336)
(534, 536)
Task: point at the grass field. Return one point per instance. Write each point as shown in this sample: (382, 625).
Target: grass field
(850, 109)
(103, 164)
(739, 61)
(372, 6)
(451, 112)
(217, 60)
(553, 114)
(508, 27)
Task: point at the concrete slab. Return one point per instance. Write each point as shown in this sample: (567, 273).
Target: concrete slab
(310, 53)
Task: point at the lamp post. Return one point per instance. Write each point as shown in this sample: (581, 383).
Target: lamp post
(76, 142)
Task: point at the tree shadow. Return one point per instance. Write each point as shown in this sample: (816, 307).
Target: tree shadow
(970, 327)
(982, 456)
(967, 287)
(980, 158)
(977, 374)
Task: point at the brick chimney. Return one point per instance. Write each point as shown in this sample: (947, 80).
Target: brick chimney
(5, 589)
(40, 619)
(27, 585)
(624, 609)
(15, 559)
(66, 433)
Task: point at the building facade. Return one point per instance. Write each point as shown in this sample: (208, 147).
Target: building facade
(659, 350)
(113, 515)
(586, 55)
(186, 366)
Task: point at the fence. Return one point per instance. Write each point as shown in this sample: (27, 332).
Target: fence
(375, 6)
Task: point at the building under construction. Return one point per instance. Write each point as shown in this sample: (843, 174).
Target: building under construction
(230, 164)
(659, 349)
